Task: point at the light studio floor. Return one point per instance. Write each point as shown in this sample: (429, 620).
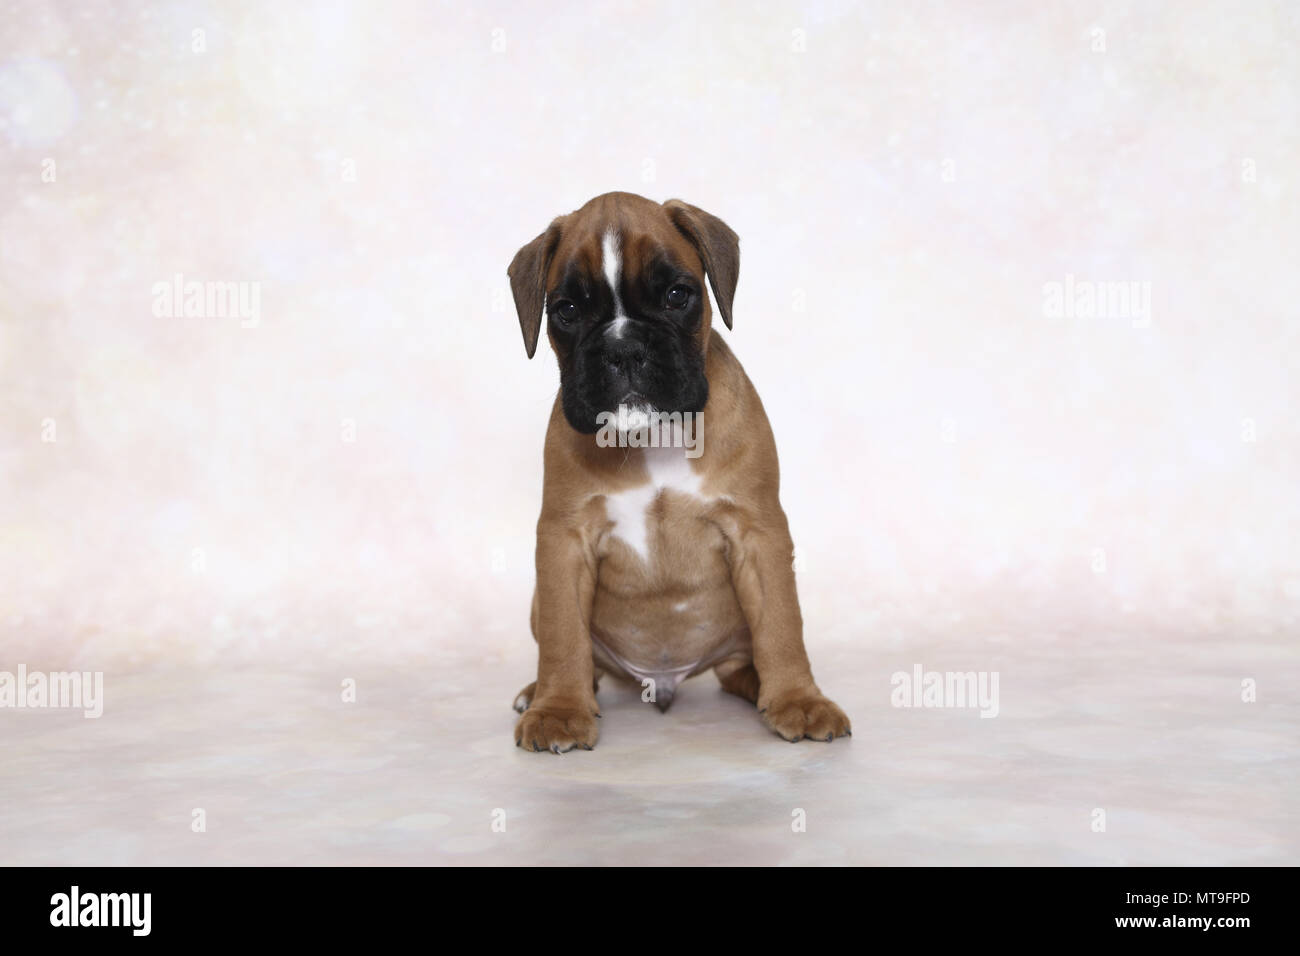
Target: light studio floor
(421, 768)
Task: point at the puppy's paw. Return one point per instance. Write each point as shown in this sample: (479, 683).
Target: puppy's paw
(811, 715)
(525, 697)
(557, 727)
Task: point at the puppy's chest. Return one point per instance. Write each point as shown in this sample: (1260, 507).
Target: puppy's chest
(660, 528)
(664, 605)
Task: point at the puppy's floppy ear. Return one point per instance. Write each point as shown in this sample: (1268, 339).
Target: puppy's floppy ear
(528, 282)
(717, 245)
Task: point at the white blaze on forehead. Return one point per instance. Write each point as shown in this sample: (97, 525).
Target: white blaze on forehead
(611, 262)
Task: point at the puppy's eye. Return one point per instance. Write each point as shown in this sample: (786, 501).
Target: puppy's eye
(679, 296)
(565, 312)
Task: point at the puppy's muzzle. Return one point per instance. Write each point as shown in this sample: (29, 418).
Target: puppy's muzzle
(625, 358)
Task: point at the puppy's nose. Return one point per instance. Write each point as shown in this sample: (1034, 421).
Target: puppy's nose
(625, 356)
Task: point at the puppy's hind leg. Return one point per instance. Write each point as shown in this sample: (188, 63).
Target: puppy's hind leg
(739, 677)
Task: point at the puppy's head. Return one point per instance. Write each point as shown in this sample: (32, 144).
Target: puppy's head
(621, 285)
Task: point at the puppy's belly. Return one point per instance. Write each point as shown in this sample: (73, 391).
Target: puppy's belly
(667, 640)
(664, 606)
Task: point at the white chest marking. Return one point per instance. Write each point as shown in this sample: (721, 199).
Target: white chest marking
(670, 470)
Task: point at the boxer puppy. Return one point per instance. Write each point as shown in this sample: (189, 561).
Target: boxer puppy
(654, 563)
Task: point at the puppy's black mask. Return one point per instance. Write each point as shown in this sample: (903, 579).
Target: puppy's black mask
(620, 283)
(634, 345)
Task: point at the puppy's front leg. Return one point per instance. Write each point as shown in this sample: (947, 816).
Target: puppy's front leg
(563, 711)
(762, 573)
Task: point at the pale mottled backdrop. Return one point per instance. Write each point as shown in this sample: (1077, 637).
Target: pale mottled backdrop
(960, 467)
(905, 179)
